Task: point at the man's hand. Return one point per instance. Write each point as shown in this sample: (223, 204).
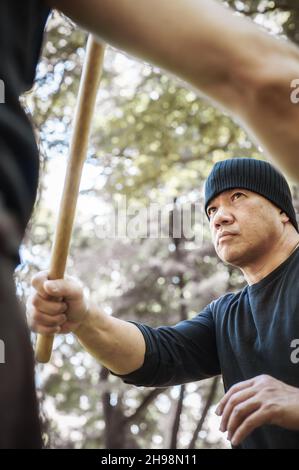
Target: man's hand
(56, 306)
(61, 307)
(255, 402)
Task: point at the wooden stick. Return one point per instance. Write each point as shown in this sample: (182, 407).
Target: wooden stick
(90, 80)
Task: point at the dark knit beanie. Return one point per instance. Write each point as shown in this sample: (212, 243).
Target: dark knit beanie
(254, 175)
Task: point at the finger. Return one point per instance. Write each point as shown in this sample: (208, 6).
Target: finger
(42, 319)
(235, 400)
(38, 281)
(70, 288)
(235, 388)
(240, 413)
(49, 307)
(255, 420)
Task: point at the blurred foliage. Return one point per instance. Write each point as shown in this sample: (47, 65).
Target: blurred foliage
(154, 141)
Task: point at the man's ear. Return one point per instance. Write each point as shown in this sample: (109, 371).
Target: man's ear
(284, 217)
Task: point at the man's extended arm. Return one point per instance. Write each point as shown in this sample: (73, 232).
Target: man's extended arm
(157, 357)
(116, 344)
(225, 56)
(185, 352)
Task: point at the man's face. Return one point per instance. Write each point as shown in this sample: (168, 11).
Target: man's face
(244, 225)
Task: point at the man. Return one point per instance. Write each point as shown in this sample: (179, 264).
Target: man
(183, 37)
(246, 336)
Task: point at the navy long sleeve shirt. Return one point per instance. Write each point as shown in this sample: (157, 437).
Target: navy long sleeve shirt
(240, 336)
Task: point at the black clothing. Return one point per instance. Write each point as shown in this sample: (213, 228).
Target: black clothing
(240, 336)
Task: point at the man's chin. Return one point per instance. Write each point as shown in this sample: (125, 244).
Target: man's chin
(231, 256)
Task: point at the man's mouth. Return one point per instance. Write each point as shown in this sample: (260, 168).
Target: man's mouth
(225, 236)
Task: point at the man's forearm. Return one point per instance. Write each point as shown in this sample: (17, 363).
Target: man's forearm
(116, 344)
(200, 41)
(227, 57)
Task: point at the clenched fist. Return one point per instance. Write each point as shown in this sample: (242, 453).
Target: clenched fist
(58, 306)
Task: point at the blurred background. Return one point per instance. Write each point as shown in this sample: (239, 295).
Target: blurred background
(154, 141)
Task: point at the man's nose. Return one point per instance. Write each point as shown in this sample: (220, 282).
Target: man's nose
(223, 217)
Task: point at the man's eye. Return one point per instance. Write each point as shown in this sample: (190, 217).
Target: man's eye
(211, 211)
(237, 196)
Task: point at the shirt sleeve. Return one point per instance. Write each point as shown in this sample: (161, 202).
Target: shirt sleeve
(177, 354)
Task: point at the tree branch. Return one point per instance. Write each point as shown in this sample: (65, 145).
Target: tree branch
(208, 404)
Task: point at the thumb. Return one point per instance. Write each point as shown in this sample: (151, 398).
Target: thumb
(70, 289)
